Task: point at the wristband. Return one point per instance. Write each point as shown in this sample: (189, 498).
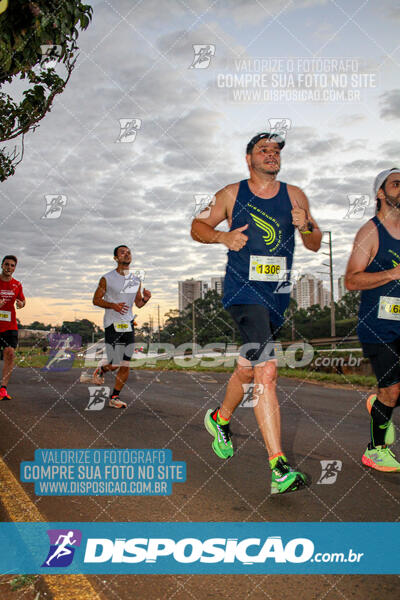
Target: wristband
(309, 228)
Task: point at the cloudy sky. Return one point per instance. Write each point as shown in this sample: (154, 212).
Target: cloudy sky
(341, 58)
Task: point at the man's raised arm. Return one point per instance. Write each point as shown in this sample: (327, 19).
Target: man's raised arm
(363, 252)
(203, 226)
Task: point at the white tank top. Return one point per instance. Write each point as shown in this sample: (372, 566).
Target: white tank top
(120, 289)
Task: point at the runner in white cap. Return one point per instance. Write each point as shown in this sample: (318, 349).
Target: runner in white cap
(374, 268)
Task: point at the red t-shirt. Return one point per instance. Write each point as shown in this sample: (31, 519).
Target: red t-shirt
(10, 291)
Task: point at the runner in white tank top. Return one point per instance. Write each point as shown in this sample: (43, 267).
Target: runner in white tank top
(117, 291)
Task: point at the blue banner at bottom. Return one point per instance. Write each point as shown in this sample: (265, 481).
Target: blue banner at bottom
(200, 548)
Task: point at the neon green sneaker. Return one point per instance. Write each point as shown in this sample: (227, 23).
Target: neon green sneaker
(380, 458)
(222, 444)
(286, 479)
(390, 434)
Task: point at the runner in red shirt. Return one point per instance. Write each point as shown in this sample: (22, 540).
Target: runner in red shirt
(10, 293)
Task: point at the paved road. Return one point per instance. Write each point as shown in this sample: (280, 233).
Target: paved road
(165, 410)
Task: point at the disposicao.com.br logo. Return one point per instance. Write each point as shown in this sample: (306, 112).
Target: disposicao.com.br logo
(247, 551)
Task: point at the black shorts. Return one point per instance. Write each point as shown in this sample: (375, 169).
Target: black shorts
(120, 345)
(9, 338)
(256, 330)
(384, 361)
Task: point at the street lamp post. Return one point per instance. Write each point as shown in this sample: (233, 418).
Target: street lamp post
(330, 266)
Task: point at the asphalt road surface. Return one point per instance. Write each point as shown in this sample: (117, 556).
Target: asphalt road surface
(166, 410)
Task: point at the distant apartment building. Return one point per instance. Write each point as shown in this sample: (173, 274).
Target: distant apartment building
(309, 290)
(189, 291)
(217, 284)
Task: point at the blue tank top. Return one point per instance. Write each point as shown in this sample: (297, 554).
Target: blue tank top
(378, 318)
(271, 234)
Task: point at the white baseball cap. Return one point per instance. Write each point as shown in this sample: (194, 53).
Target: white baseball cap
(381, 178)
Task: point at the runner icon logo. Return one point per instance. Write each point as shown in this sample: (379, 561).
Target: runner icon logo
(62, 355)
(280, 127)
(203, 54)
(287, 280)
(202, 205)
(330, 470)
(252, 392)
(97, 397)
(62, 547)
(50, 50)
(54, 206)
(131, 283)
(128, 130)
(357, 205)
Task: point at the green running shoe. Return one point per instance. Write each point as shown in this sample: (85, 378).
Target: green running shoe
(390, 434)
(285, 479)
(380, 458)
(222, 444)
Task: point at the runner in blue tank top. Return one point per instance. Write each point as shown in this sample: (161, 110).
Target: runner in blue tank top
(374, 268)
(262, 214)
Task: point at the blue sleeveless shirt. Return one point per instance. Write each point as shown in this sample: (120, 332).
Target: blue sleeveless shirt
(271, 234)
(379, 313)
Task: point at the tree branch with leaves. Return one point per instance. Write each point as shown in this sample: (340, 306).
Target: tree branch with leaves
(35, 38)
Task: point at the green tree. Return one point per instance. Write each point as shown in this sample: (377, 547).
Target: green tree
(213, 323)
(348, 305)
(33, 36)
(85, 328)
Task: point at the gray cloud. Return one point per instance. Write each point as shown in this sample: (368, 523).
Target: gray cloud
(390, 104)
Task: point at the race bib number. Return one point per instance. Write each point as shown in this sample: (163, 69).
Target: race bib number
(5, 315)
(389, 308)
(122, 327)
(267, 268)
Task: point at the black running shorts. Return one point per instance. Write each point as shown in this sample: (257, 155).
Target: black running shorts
(384, 361)
(256, 330)
(9, 338)
(120, 345)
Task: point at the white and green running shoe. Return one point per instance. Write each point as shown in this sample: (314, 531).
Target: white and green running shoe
(390, 434)
(222, 444)
(380, 458)
(286, 479)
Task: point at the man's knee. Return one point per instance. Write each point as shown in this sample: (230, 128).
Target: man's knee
(267, 373)
(9, 351)
(245, 374)
(390, 394)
